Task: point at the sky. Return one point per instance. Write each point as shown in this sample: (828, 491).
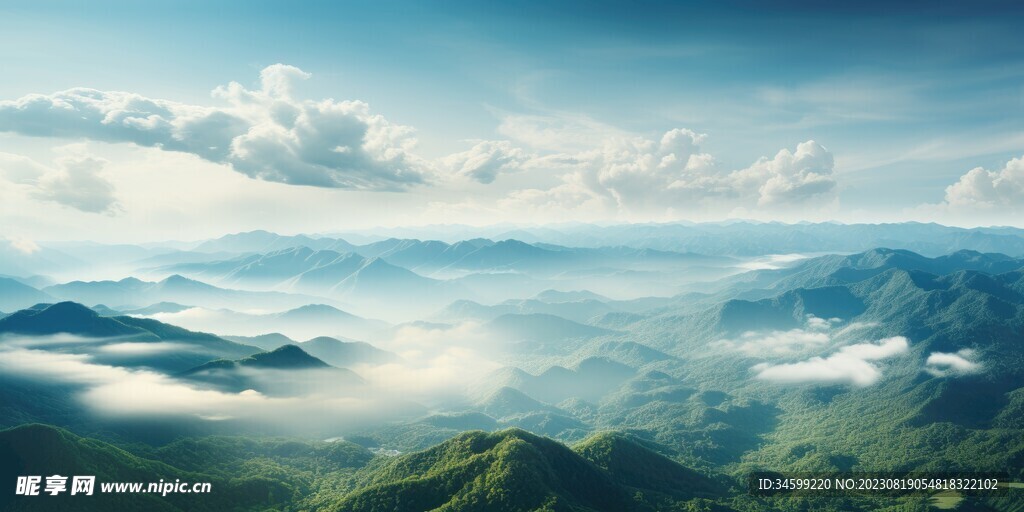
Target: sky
(135, 121)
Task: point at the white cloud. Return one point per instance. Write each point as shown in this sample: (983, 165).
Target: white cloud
(780, 343)
(646, 177)
(20, 170)
(143, 348)
(77, 179)
(23, 245)
(943, 364)
(264, 133)
(790, 178)
(776, 343)
(983, 189)
(486, 160)
(821, 324)
(853, 364)
(77, 182)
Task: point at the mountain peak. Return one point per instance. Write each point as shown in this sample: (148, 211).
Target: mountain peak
(70, 309)
(177, 278)
(316, 310)
(284, 357)
(65, 317)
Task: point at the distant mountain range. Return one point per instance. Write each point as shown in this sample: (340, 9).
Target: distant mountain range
(307, 321)
(738, 238)
(541, 332)
(745, 238)
(406, 273)
(15, 295)
(132, 293)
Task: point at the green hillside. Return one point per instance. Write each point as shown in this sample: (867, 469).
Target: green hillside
(514, 470)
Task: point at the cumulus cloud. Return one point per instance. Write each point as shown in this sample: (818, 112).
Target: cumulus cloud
(673, 173)
(943, 364)
(486, 160)
(76, 180)
(854, 364)
(983, 189)
(264, 133)
(790, 178)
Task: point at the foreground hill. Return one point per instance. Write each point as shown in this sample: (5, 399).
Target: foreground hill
(513, 470)
(244, 473)
(44, 450)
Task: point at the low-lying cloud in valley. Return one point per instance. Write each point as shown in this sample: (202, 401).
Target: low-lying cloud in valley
(815, 334)
(944, 364)
(119, 392)
(853, 364)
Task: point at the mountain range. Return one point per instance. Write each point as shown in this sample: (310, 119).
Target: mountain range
(132, 293)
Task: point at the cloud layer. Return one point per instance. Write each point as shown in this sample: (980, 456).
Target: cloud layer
(135, 392)
(486, 160)
(264, 133)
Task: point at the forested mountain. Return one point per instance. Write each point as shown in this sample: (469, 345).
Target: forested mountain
(513, 470)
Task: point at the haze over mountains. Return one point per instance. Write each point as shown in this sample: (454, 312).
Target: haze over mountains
(661, 374)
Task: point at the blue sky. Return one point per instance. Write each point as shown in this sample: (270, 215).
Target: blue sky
(905, 99)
